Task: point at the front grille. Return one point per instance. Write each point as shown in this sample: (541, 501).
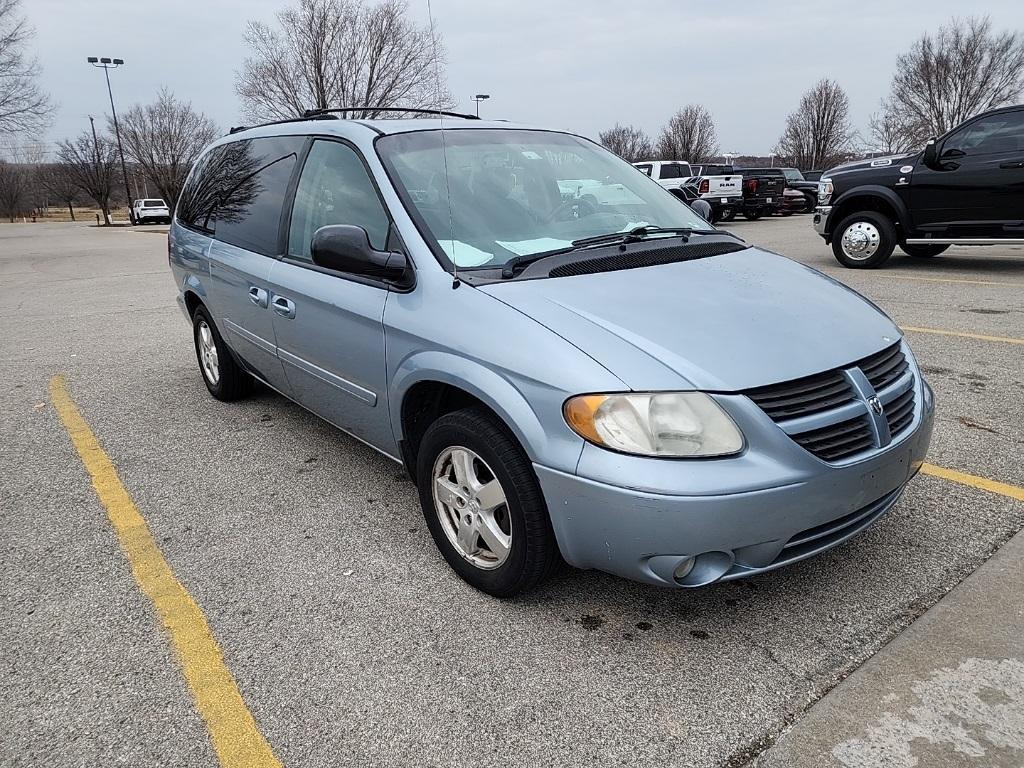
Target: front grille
(834, 430)
(900, 412)
(837, 441)
(803, 396)
(884, 367)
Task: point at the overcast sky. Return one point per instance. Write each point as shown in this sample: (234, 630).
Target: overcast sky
(580, 66)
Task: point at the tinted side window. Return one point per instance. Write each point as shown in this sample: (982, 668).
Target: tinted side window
(335, 188)
(673, 171)
(645, 168)
(999, 133)
(237, 191)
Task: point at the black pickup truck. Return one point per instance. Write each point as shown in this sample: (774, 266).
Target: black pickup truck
(763, 190)
(965, 187)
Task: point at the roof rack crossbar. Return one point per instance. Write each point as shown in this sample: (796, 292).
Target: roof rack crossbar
(314, 113)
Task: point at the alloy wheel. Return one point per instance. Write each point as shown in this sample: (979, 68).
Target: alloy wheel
(860, 241)
(472, 507)
(208, 352)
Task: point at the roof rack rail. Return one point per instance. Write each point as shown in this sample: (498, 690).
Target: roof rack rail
(312, 114)
(320, 116)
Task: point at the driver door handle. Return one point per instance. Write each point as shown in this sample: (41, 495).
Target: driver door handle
(1012, 164)
(258, 296)
(284, 307)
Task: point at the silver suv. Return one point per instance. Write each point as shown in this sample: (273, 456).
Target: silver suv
(568, 361)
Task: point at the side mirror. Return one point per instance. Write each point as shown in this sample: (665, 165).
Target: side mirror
(346, 248)
(930, 153)
(702, 208)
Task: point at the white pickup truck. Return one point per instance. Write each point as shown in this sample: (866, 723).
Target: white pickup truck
(151, 209)
(717, 185)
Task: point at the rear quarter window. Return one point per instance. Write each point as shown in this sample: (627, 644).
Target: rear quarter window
(236, 191)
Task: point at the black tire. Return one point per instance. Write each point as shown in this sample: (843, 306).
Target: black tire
(923, 251)
(753, 214)
(878, 231)
(533, 553)
(786, 212)
(728, 214)
(232, 382)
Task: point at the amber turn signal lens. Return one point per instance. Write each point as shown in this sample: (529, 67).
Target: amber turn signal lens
(580, 412)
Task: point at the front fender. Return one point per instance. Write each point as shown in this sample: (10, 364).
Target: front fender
(557, 447)
(840, 206)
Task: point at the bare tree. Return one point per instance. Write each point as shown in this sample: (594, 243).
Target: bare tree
(818, 134)
(965, 69)
(890, 132)
(689, 135)
(23, 105)
(15, 189)
(92, 166)
(165, 138)
(340, 53)
(628, 142)
(57, 184)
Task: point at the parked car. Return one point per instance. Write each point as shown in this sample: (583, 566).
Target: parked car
(794, 201)
(795, 180)
(965, 187)
(609, 381)
(721, 188)
(763, 190)
(149, 210)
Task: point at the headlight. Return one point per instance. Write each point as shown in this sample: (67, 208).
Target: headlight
(655, 424)
(825, 190)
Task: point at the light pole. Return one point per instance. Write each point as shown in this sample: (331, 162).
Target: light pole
(108, 64)
(478, 98)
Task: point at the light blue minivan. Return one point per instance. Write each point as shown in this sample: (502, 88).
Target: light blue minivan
(569, 362)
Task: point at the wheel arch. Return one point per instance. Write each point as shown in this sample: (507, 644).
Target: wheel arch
(430, 384)
(869, 198)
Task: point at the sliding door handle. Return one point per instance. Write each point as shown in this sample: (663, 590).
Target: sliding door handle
(258, 296)
(284, 307)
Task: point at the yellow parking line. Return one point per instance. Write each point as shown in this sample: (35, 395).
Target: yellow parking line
(978, 336)
(992, 486)
(236, 739)
(952, 280)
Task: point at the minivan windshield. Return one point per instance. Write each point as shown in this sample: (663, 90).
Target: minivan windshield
(516, 193)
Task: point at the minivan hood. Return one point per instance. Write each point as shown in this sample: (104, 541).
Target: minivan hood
(723, 323)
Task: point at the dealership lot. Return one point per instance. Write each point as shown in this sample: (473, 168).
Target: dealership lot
(350, 640)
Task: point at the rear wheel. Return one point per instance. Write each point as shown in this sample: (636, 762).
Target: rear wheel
(864, 240)
(222, 375)
(483, 504)
(753, 214)
(728, 214)
(923, 251)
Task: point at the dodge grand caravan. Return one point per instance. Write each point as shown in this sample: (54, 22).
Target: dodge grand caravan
(580, 371)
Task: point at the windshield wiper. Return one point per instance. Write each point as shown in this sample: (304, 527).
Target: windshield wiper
(519, 263)
(640, 233)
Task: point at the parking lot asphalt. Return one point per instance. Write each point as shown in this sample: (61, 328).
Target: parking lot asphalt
(350, 640)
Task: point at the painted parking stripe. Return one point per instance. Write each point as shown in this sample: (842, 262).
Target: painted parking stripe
(1001, 283)
(978, 336)
(235, 736)
(992, 486)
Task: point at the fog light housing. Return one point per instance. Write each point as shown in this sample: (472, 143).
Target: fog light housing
(683, 569)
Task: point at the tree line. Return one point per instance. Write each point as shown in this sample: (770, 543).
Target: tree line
(942, 80)
(319, 54)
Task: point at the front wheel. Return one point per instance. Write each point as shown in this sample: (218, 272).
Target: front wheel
(483, 504)
(923, 251)
(864, 240)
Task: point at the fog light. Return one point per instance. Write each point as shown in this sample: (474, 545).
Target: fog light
(683, 569)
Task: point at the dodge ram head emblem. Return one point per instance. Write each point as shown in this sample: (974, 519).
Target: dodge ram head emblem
(876, 404)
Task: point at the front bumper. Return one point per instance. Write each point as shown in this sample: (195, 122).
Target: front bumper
(820, 221)
(645, 535)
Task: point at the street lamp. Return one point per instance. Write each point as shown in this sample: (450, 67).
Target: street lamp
(107, 64)
(478, 98)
